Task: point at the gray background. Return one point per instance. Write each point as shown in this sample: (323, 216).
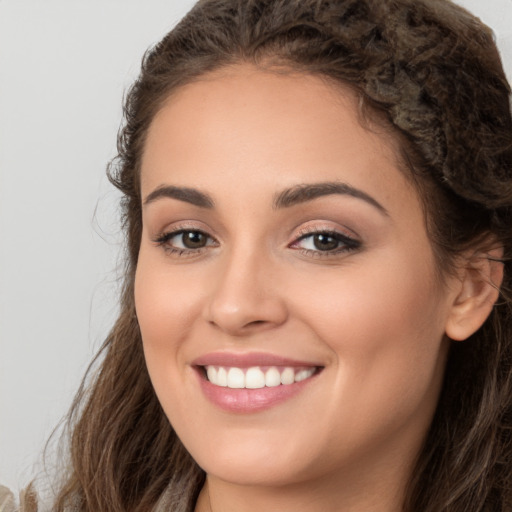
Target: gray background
(64, 65)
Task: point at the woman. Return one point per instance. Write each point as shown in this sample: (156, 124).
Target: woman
(317, 310)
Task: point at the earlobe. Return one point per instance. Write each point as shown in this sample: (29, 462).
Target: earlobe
(477, 293)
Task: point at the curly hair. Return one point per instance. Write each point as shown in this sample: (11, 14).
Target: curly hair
(431, 74)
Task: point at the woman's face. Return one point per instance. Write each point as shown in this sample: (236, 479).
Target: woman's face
(284, 256)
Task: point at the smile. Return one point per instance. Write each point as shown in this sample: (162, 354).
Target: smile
(256, 377)
(252, 382)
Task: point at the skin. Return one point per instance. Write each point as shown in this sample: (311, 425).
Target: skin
(373, 316)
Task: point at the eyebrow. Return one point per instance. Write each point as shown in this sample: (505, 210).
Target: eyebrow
(186, 194)
(289, 197)
(307, 192)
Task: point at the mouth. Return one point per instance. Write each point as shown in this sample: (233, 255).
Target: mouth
(252, 382)
(257, 377)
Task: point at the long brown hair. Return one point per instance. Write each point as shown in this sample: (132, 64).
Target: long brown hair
(431, 72)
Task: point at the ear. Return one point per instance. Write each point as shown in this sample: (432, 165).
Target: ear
(477, 291)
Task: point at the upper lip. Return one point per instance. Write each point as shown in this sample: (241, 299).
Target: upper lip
(247, 360)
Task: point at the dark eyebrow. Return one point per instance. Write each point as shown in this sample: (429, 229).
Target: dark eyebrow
(188, 195)
(309, 191)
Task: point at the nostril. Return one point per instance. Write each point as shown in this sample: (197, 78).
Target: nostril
(242, 312)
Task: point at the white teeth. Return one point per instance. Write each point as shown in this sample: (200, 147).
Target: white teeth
(272, 378)
(236, 378)
(211, 372)
(255, 377)
(219, 376)
(288, 376)
(222, 377)
(303, 374)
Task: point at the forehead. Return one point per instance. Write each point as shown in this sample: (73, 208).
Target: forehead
(285, 128)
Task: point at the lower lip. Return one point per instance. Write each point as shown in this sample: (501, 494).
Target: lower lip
(250, 400)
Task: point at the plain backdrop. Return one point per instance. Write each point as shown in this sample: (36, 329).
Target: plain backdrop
(64, 66)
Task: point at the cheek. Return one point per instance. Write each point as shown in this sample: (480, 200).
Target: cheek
(385, 329)
(166, 304)
(166, 301)
(392, 301)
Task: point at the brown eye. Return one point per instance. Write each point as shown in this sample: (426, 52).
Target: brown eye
(194, 239)
(324, 242)
(185, 241)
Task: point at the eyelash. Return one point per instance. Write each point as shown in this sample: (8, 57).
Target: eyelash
(164, 240)
(348, 243)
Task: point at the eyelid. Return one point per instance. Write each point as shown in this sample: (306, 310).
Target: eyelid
(325, 226)
(312, 228)
(349, 239)
(163, 239)
(181, 226)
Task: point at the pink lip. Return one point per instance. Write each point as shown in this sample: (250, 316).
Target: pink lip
(247, 360)
(249, 400)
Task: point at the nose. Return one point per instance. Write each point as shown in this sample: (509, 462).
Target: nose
(245, 296)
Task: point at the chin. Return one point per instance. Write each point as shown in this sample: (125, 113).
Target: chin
(256, 461)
